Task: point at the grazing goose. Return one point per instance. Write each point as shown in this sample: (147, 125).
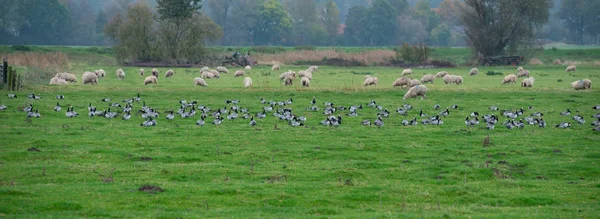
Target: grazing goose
(579, 119)
(378, 107)
(378, 122)
(109, 115)
(28, 108)
(436, 107)
(126, 116)
(115, 105)
(252, 121)
(326, 122)
(372, 103)
(407, 106)
(563, 125)
(149, 122)
(137, 98)
(445, 113)
(537, 114)
(541, 123)
(106, 100)
(217, 121)
(2, 107)
(597, 116)
(91, 108)
(511, 124)
(262, 100)
(289, 102)
(170, 116)
(597, 129)
(201, 122)
(597, 107)
(385, 113)
(57, 108)
(530, 120)
(295, 123)
(405, 122)
(366, 122)
(128, 101)
(596, 123)
(127, 108)
(32, 113)
(402, 111)
(454, 106)
(60, 97)
(421, 114)
(474, 114)
(414, 122)
(11, 95)
(436, 120)
(232, 115)
(262, 115)
(520, 124)
(566, 113)
(314, 101)
(489, 126)
(330, 104)
(520, 112)
(493, 108)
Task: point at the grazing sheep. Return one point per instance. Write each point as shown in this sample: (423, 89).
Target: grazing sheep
(248, 68)
(57, 80)
(120, 74)
(407, 71)
(67, 77)
(142, 72)
(520, 69)
(582, 84)
(413, 82)
(207, 74)
(448, 79)
(247, 82)
(200, 82)
(222, 69)
(100, 73)
(511, 78)
(428, 78)
(215, 73)
(441, 74)
(238, 73)
(557, 62)
(169, 73)
(571, 68)
(89, 78)
(370, 80)
(401, 82)
(416, 91)
(458, 80)
(527, 82)
(312, 69)
(288, 80)
(151, 80)
(306, 73)
(275, 67)
(286, 74)
(474, 71)
(155, 72)
(523, 73)
(305, 82)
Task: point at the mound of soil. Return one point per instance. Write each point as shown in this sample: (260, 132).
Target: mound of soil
(151, 189)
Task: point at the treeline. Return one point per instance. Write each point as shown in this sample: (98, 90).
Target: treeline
(287, 22)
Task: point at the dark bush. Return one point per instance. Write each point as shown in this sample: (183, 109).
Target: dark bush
(21, 48)
(413, 54)
(492, 73)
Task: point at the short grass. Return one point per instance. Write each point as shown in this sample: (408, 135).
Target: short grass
(351, 171)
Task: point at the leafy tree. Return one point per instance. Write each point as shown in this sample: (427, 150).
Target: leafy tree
(381, 23)
(580, 17)
(441, 35)
(273, 24)
(492, 25)
(46, 21)
(135, 34)
(356, 25)
(401, 6)
(304, 15)
(178, 10)
(331, 18)
(424, 13)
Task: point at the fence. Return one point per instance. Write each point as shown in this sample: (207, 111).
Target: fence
(10, 78)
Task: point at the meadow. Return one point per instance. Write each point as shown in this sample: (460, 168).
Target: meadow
(94, 167)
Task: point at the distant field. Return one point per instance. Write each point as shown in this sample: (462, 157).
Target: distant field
(275, 170)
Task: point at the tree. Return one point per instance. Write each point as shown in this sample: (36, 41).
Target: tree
(178, 10)
(274, 23)
(304, 15)
(135, 34)
(424, 13)
(381, 23)
(356, 25)
(401, 6)
(580, 17)
(331, 18)
(441, 35)
(45, 22)
(492, 25)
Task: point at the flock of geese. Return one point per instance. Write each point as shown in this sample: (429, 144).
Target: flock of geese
(282, 110)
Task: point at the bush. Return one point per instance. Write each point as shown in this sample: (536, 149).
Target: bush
(309, 48)
(21, 48)
(268, 49)
(492, 73)
(413, 54)
(39, 75)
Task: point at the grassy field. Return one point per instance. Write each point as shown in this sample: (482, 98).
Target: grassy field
(275, 170)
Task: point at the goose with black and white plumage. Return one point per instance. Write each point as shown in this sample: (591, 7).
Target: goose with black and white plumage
(33, 113)
(596, 123)
(579, 119)
(115, 105)
(262, 100)
(126, 116)
(385, 113)
(493, 108)
(109, 115)
(217, 121)
(597, 116)
(106, 99)
(289, 102)
(2, 107)
(563, 125)
(366, 122)
(541, 123)
(445, 113)
(60, 97)
(597, 107)
(252, 121)
(314, 101)
(596, 129)
(232, 115)
(148, 122)
(436, 107)
(295, 123)
(454, 107)
(201, 121)
(490, 126)
(170, 116)
(57, 108)
(11, 95)
(474, 114)
(326, 122)
(372, 103)
(407, 106)
(537, 114)
(137, 98)
(566, 113)
(402, 111)
(262, 115)
(421, 114)
(378, 122)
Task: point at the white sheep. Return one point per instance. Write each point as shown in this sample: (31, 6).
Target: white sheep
(306, 73)
(448, 79)
(401, 82)
(416, 91)
(169, 73)
(205, 68)
(238, 73)
(527, 82)
(520, 69)
(582, 84)
(275, 67)
(370, 80)
(288, 80)
(248, 68)
(207, 74)
(305, 81)
(155, 72)
(247, 82)
(58, 81)
(312, 69)
(474, 71)
(407, 71)
(222, 69)
(120, 74)
(200, 82)
(428, 78)
(100, 73)
(89, 78)
(523, 73)
(67, 77)
(142, 72)
(151, 80)
(413, 82)
(458, 80)
(286, 74)
(441, 74)
(511, 78)
(571, 68)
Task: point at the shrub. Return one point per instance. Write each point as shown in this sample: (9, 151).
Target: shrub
(308, 47)
(492, 73)
(413, 54)
(21, 48)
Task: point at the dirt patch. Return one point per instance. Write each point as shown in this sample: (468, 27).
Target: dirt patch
(33, 150)
(151, 189)
(145, 158)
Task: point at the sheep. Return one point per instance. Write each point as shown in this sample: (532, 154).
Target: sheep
(238, 73)
(211, 74)
(142, 72)
(312, 69)
(413, 82)
(557, 62)
(520, 69)
(89, 78)
(370, 80)
(120, 74)
(458, 80)
(100, 73)
(448, 79)
(155, 72)
(527, 82)
(407, 71)
(523, 73)
(286, 74)
(441, 74)
(222, 69)
(200, 82)
(401, 82)
(582, 84)
(288, 80)
(169, 73)
(215, 73)
(275, 67)
(428, 78)
(248, 68)
(67, 77)
(57, 80)
(474, 71)
(305, 82)
(416, 91)
(151, 80)
(511, 78)
(247, 82)
(571, 68)
(306, 73)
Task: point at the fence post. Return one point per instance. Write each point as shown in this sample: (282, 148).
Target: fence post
(9, 77)
(18, 81)
(4, 70)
